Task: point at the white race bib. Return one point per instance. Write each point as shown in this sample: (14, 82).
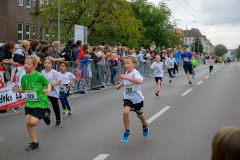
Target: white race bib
(53, 89)
(62, 88)
(185, 59)
(31, 95)
(129, 89)
(171, 64)
(158, 70)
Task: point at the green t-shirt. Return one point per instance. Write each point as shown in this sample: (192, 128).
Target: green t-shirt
(33, 85)
(194, 62)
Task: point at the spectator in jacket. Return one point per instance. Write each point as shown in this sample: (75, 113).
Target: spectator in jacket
(34, 45)
(53, 52)
(68, 51)
(6, 53)
(82, 51)
(79, 44)
(43, 53)
(21, 52)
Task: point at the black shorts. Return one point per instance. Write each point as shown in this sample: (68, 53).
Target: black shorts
(135, 107)
(35, 112)
(188, 68)
(157, 78)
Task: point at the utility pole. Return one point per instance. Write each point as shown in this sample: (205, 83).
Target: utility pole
(37, 25)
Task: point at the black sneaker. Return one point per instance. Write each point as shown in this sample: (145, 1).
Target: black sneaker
(58, 123)
(47, 118)
(32, 146)
(170, 81)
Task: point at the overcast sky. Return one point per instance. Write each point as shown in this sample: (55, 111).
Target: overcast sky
(221, 16)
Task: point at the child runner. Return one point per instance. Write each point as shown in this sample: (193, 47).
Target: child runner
(64, 88)
(187, 65)
(170, 65)
(33, 85)
(211, 61)
(158, 72)
(78, 73)
(53, 77)
(194, 65)
(133, 98)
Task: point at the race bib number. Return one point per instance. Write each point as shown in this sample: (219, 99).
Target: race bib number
(129, 89)
(171, 64)
(53, 89)
(158, 71)
(185, 59)
(31, 95)
(62, 88)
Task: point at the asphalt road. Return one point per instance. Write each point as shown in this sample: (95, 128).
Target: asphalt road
(183, 121)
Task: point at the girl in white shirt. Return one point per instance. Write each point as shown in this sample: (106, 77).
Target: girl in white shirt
(64, 87)
(53, 77)
(170, 66)
(158, 72)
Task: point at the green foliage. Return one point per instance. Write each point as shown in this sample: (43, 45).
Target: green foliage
(194, 46)
(134, 24)
(238, 52)
(220, 50)
(155, 22)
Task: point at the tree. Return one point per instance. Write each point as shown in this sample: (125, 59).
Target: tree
(220, 50)
(238, 52)
(155, 22)
(107, 20)
(177, 39)
(194, 46)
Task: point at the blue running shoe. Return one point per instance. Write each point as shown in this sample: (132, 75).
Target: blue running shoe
(125, 136)
(194, 73)
(192, 77)
(145, 130)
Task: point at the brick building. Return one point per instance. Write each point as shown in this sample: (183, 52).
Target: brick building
(15, 20)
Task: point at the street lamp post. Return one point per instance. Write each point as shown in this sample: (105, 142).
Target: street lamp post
(186, 29)
(58, 21)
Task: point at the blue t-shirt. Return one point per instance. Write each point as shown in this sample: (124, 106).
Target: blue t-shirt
(186, 57)
(76, 53)
(176, 56)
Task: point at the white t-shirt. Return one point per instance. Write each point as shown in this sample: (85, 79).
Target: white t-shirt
(136, 97)
(170, 62)
(53, 77)
(98, 54)
(157, 72)
(211, 62)
(66, 78)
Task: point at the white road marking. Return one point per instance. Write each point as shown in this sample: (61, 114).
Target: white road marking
(199, 82)
(185, 93)
(101, 157)
(150, 120)
(206, 76)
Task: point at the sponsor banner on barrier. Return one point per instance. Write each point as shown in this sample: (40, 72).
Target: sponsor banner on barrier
(8, 99)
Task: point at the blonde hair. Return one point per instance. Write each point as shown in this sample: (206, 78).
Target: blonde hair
(55, 44)
(226, 144)
(134, 59)
(158, 55)
(35, 59)
(50, 59)
(114, 50)
(24, 44)
(143, 51)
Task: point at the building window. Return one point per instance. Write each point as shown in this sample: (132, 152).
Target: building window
(190, 39)
(41, 33)
(27, 31)
(20, 2)
(34, 3)
(33, 32)
(20, 32)
(28, 3)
